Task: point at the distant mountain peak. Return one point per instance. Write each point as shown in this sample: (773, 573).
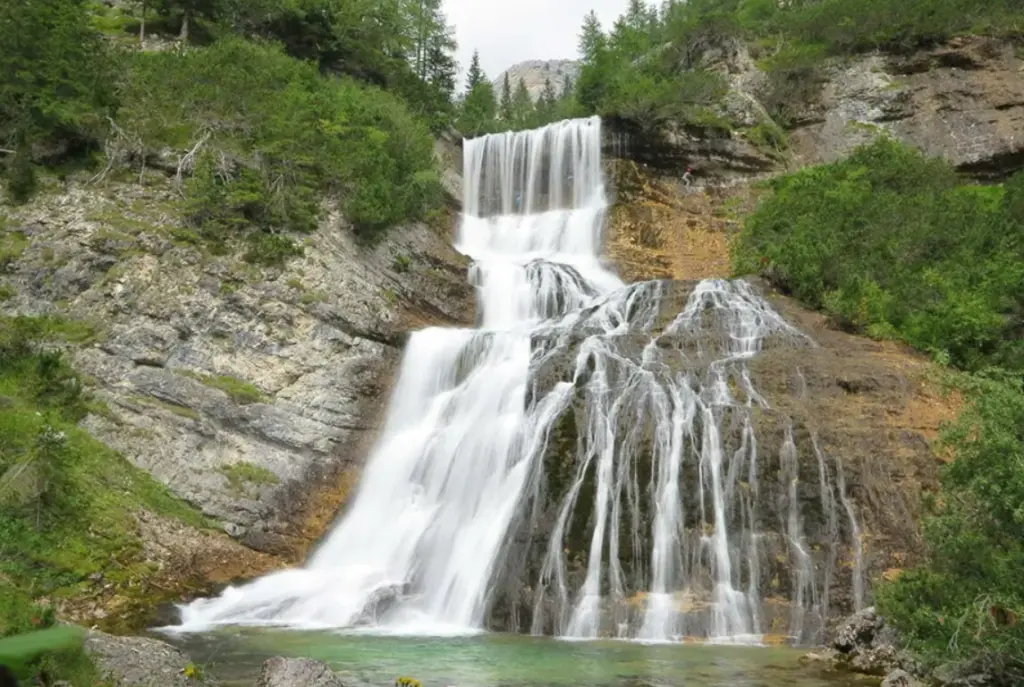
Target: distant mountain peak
(534, 73)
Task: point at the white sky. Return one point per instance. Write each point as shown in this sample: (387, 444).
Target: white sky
(510, 31)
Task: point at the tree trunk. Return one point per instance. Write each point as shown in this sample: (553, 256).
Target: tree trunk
(142, 24)
(185, 21)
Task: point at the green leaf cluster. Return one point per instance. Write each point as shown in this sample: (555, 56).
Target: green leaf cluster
(893, 243)
(967, 605)
(55, 86)
(644, 68)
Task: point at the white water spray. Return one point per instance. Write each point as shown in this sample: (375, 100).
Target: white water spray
(462, 456)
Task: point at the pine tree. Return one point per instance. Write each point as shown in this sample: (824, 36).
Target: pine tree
(479, 108)
(522, 105)
(566, 88)
(592, 38)
(505, 106)
(476, 74)
(548, 96)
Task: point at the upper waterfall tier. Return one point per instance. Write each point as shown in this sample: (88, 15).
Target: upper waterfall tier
(557, 167)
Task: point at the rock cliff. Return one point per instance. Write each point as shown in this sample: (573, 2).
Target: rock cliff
(963, 101)
(253, 393)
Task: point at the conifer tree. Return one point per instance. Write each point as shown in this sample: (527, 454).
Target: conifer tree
(505, 106)
(479, 107)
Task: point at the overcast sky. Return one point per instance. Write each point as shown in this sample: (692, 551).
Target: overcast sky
(510, 31)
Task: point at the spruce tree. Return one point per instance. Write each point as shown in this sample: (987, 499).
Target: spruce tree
(505, 106)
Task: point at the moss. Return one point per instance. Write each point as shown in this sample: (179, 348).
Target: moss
(312, 297)
(240, 391)
(296, 283)
(7, 292)
(242, 475)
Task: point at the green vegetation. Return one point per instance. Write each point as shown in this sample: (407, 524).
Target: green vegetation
(241, 392)
(242, 475)
(482, 111)
(55, 76)
(67, 502)
(642, 71)
(894, 244)
(967, 603)
(41, 654)
(653, 66)
(891, 243)
(267, 106)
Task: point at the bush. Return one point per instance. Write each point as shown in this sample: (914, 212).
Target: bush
(891, 243)
(270, 135)
(967, 604)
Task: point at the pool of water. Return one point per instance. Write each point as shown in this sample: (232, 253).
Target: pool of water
(235, 656)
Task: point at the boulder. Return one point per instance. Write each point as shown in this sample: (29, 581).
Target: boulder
(142, 662)
(901, 678)
(296, 672)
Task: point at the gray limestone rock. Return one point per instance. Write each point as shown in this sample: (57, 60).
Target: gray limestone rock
(142, 662)
(901, 678)
(296, 672)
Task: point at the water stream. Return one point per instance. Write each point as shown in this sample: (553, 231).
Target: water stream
(664, 476)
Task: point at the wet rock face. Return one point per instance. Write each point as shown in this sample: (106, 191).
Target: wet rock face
(963, 101)
(824, 449)
(251, 392)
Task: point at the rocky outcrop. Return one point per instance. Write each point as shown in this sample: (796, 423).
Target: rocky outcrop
(251, 392)
(296, 672)
(142, 662)
(534, 73)
(866, 644)
(660, 229)
(963, 101)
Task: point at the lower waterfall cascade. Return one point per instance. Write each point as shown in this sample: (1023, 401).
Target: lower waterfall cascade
(666, 517)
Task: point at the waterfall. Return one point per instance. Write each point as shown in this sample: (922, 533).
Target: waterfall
(656, 531)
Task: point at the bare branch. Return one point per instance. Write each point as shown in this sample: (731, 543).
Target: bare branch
(189, 158)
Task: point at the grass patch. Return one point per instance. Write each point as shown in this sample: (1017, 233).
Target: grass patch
(243, 475)
(240, 391)
(313, 297)
(67, 501)
(179, 410)
(12, 246)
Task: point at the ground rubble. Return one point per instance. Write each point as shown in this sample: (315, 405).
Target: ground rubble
(866, 644)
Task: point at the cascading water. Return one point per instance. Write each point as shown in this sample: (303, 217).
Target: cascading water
(663, 503)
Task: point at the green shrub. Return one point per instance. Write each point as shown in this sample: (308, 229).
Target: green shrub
(967, 604)
(271, 135)
(892, 243)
